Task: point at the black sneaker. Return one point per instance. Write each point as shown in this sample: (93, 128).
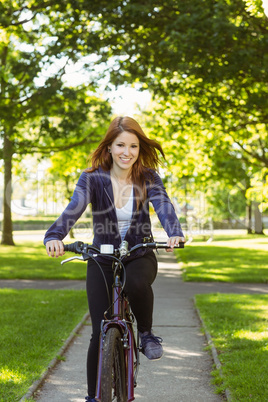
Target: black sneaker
(151, 345)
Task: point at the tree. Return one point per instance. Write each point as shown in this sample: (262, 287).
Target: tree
(211, 53)
(67, 166)
(200, 153)
(39, 112)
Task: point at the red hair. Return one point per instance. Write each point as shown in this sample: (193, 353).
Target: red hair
(148, 156)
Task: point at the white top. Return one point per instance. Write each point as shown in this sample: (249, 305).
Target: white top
(124, 216)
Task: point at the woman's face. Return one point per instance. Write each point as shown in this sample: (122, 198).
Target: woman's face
(125, 150)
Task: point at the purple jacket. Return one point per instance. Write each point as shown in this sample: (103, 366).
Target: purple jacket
(96, 188)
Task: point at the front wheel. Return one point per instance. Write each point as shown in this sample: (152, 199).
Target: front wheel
(113, 379)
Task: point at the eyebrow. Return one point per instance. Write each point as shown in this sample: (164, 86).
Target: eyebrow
(133, 143)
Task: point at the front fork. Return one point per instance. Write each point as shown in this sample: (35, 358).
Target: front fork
(131, 366)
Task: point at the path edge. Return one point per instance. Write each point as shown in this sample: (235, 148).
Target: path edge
(213, 351)
(38, 383)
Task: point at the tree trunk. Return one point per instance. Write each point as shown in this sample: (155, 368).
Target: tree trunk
(249, 217)
(258, 223)
(7, 230)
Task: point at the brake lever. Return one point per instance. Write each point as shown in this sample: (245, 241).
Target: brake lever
(71, 259)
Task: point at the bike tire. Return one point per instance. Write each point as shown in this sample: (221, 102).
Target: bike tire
(113, 377)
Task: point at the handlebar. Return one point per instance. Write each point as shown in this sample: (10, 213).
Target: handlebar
(84, 249)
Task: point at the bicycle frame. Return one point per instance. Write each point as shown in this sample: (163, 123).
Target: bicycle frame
(121, 318)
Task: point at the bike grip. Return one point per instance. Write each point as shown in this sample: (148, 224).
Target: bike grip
(69, 247)
(164, 245)
(180, 245)
(75, 247)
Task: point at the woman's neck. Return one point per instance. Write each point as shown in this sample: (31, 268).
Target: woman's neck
(120, 174)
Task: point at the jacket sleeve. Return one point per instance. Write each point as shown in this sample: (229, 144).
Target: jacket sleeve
(164, 207)
(79, 201)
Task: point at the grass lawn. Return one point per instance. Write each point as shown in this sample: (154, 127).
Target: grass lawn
(238, 325)
(34, 325)
(226, 259)
(29, 260)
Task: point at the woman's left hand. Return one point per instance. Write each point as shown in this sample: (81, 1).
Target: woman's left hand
(174, 241)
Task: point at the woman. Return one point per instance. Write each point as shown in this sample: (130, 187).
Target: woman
(120, 184)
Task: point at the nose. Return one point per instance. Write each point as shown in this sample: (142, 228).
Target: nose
(126, 151)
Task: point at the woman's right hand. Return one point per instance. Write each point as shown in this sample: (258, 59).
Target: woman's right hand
(54, 248)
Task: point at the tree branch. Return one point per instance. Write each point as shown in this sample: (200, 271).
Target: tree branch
(262, 159)
(45, 150)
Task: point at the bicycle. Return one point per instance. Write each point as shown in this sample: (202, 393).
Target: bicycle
(119, 348)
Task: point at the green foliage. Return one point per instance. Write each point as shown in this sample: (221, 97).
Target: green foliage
(240, 336)
(206, 65)
(205, 62)
(226, 203)
(183, 42)
(40, 112)
(34, 326)
(259, 190)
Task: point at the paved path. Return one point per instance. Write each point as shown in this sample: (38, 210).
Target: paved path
(183, 373)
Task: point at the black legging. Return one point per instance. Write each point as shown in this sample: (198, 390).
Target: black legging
(140, 274)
